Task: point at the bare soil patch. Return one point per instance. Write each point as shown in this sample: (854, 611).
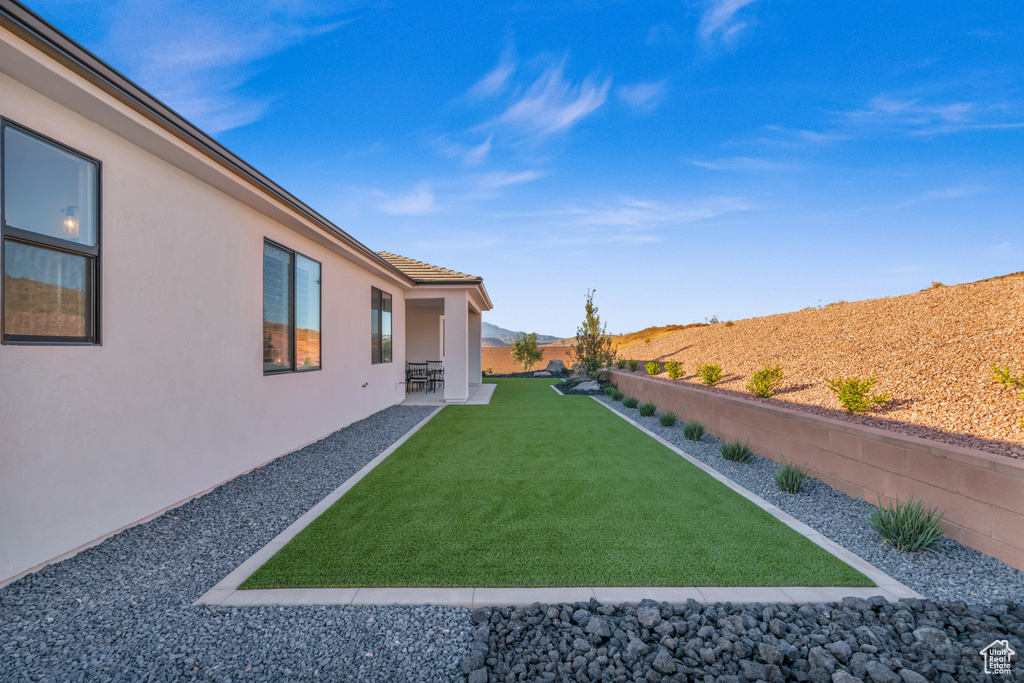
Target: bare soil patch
(933, 352)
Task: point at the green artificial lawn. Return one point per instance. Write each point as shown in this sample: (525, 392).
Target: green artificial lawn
(541, 490)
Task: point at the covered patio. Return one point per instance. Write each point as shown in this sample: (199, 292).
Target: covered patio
(443, 323)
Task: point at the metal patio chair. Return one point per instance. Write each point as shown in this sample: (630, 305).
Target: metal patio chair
(416, 375)
(435, 373)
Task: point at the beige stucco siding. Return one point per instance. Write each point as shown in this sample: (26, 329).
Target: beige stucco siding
(174, 401)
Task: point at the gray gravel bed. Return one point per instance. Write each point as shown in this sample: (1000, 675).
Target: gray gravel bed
(954, 572)
(121, 611)
(856, 641)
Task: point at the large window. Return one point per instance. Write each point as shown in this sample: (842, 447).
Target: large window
(291, 311)
(49, 210)
(380, 326)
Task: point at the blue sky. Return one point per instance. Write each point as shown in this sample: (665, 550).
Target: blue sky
(685, 159)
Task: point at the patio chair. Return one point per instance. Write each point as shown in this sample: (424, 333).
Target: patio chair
(435, 373)
(416, 375)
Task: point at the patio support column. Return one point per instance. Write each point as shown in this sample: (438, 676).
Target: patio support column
(456, 347)
(475, 353)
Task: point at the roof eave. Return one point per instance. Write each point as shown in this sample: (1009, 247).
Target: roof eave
(33, 29)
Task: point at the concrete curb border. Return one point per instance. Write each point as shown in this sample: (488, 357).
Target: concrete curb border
(225, 590)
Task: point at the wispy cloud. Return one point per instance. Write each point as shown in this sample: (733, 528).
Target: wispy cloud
(419, 201)
(649, 214)
(942, 194)
(720, 21)
(552, 104)
(497, 78)
(642, 97)
(919, 118)
(468, 154)
(741, 164)
(477, 154)
(196, 55)
(505, 179)
(625, 221)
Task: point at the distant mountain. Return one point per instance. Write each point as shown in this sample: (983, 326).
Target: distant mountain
(492, 341)
(509, 336)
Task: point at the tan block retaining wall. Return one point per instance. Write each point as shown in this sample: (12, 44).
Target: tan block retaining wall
(981, 494)
(499, 358)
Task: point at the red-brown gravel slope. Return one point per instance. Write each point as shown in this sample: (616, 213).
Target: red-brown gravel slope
(933, 351)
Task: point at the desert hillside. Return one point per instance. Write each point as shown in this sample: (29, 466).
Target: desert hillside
(933, 351)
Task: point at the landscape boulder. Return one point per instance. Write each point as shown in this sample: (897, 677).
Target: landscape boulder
(542, 374)
(590, 385)
(555, 366)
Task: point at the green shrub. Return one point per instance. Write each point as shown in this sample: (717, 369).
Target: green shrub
(667, 419)
(525, 351)
(621, 363)
(609, 389)
(856, 394)
(488, 371)
(616, 395)
(673, 369)
(766, 381)
(652, 368)
(633, 365)
(708, 373)
(693, 431)
(647, 409)
(790, 476)
(735, 451)
(593, 347)
(630, 401)
(1006, 378)
(908, 526)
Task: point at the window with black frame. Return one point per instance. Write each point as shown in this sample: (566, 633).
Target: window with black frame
(291, 311)
(50, 208)
(380, 326)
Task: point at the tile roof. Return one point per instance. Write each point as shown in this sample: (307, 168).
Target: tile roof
(425, 273)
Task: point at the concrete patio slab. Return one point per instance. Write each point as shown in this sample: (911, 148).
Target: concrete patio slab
(479, 395)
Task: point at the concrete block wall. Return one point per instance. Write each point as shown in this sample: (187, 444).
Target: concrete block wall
(499, 358)
(982, 494)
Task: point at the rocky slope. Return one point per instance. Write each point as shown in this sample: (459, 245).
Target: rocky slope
(933, 352)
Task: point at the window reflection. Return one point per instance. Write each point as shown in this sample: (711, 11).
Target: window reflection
(307, 313)
(277, 331)
(47, 190)
(45, 292)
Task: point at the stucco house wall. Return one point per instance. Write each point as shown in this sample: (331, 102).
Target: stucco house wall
(173, 402)
(423, 333)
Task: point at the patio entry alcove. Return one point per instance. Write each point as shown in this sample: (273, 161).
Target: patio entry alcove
(443, 322)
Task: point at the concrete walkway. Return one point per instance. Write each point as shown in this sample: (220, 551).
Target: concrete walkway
(226, 593)
(479, 395)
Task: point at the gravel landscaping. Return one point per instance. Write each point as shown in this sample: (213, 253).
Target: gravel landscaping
(859, 640)
(121, 611)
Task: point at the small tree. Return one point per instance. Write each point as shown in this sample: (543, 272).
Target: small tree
(593, 348)
(525, 351)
